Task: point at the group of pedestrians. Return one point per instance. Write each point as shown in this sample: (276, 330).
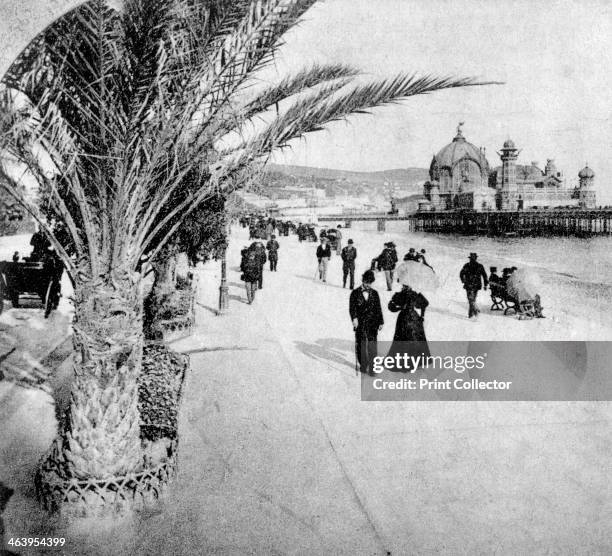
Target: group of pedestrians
(348, 254)
(264, 228)
(253, 260)
(387, 261)
(364, 302)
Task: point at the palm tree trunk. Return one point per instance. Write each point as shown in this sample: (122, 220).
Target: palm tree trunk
(102, 435)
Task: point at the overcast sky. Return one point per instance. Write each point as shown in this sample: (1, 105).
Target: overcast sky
(555, 58)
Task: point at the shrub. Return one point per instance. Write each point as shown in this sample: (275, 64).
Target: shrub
(159, 390)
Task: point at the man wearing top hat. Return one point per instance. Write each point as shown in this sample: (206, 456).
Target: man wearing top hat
(473, 276)
(367, 318)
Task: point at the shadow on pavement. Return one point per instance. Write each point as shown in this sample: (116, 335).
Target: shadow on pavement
(212, 310)
(238, 298)
(333, 350)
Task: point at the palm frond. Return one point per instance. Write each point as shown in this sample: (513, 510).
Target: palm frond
(298, 83)
(312, 112)
(248, 48)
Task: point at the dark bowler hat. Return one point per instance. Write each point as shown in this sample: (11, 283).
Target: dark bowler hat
(411, 250)
(473, 255)
(493, 268)
(350, 241)
(391, 244)
(368, 277)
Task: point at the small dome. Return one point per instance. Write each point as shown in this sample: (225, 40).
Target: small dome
(586, 172)
(509, 144)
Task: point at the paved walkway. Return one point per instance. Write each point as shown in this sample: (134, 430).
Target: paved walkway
(278, 454)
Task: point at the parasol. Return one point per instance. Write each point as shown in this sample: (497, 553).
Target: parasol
(524, 284)
(416, 275)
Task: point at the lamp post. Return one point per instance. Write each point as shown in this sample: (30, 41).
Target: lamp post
(223, 288)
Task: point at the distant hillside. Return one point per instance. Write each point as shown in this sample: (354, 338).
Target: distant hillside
(401, 176)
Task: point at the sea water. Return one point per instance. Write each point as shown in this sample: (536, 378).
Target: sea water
(576, 270)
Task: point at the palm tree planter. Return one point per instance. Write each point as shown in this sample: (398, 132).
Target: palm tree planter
(112, 496)
(123, 107)
(182, 304)
(159, 393)
(170, 308)
(170, 305)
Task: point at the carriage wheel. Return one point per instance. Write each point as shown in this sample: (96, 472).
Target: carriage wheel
(48, 302)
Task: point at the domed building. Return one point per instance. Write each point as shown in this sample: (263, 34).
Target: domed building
(460, 179)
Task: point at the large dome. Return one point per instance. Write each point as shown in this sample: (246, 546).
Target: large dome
(458, 150)
(460, 162)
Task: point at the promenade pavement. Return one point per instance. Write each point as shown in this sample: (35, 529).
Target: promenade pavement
(278, 454)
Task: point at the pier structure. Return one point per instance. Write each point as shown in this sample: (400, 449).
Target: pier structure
(549, 222)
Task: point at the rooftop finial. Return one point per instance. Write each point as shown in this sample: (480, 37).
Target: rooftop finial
(459, 130)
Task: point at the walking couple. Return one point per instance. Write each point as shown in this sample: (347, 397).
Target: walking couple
(367, 318)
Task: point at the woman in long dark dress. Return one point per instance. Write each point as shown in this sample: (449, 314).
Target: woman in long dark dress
(409, 335)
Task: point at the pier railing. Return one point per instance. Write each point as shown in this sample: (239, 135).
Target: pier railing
(555, 222)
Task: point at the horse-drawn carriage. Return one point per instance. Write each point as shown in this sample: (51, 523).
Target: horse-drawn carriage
(333, 238)
(31, 279)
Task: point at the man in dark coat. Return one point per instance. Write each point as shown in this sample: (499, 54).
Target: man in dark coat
(349, 254)
(386, 262)
(301, 232)
(367, 318)
(251, 271)
(473, 276)
(272, 246)
(39, 243)
(260, 250)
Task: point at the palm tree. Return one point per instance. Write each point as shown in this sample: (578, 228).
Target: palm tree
(121, 108)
